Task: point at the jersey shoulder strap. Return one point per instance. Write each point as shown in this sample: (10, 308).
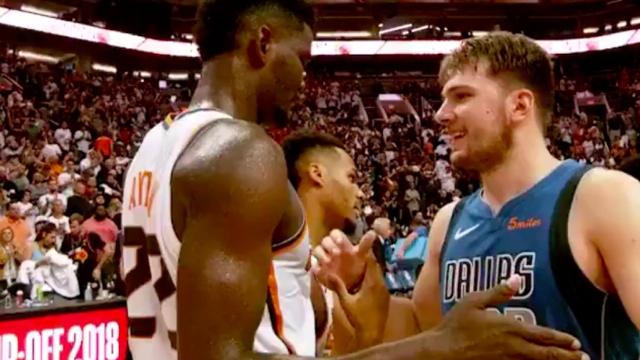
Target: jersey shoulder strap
(455, 215)
(601, 316)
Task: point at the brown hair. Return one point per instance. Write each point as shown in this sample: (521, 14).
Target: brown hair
(512, 57)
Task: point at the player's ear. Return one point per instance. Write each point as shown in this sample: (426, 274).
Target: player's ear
(317, 174)
(520, 104)
(259, 46)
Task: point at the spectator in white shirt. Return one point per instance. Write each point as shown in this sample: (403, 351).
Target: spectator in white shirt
(45, 203)
(50, 150)
(91, 162)
(63, 136)
(59, 220)
(412, 197)
(83, 140)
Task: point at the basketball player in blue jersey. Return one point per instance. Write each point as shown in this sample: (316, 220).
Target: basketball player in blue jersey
(571, 232)
(210, 206)
(324, 176)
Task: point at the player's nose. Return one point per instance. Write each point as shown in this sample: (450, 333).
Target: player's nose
(444, 115)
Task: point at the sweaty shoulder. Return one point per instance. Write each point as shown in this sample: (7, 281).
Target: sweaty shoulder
(228, 162)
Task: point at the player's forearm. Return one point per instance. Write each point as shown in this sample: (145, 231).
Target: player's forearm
(424, 346)
(401, 320)
(400, 323)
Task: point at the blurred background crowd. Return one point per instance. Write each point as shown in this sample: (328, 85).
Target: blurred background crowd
(67, 137)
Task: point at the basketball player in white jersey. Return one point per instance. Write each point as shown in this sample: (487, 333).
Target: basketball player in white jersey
(324, 175)
(208, 208)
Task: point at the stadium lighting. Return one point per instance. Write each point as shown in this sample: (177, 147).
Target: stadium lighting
(104, 68)
(608, 27)
(452, 33)
(635, 21)
(188, 36)
(420, 28)
(39, 11)
(590, 30)
(343, 34)
(38, 57)
(401, 27)
(178, 76)
(621, 24)
(406, 32)
(479, 33)
(142, 74)
(197, 76)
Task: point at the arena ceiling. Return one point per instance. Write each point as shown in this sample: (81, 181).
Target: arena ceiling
(166, 19)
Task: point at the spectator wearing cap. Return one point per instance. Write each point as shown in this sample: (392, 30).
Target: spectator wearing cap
(13, 226)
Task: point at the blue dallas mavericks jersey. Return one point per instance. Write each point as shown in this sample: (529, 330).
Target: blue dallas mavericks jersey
(529, 237)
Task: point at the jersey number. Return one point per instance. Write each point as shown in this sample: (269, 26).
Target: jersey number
(518, 313)
(146, 246)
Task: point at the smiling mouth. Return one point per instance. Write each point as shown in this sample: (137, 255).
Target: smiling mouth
(458, 135)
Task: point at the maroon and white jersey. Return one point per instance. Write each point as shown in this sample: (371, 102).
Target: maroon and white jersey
(151, 252)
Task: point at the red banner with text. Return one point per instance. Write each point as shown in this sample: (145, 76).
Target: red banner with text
(86, 335)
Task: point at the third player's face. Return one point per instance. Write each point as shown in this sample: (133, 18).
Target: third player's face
(342, 189)
(474, 115)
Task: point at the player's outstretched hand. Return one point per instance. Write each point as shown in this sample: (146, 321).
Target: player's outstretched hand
(470, 332)
(367, 309)
(336, 256)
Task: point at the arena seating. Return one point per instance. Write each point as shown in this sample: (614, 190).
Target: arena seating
(60, 125)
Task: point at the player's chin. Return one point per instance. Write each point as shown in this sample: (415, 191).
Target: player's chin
(460, 159)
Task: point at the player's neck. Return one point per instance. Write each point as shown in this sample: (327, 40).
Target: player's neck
(221, 88)
(314, 212)
(522, 169)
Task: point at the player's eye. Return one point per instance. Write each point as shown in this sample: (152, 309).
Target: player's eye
(462, 96)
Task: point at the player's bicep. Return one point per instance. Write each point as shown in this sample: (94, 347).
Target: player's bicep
(231, 213)
(426, 294)
(614, 213)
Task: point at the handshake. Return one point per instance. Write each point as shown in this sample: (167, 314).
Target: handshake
(468, 331)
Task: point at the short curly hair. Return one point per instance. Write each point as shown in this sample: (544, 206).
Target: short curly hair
(218, 22)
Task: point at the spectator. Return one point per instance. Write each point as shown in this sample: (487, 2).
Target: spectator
(45, 203)
(75, 238)
(100, 224)
(104, 145)
(15, 228)
(78, 202)
(45, 240)
(384, 232)
(59, 220)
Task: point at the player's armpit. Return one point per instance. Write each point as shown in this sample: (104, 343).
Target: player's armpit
(233, 200)
(426, 294)
(611, 202)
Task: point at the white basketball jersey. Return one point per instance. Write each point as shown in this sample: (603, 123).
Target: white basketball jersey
(151, 251)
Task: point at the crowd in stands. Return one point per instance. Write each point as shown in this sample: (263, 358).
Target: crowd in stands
(67, 137)
(403, 163)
